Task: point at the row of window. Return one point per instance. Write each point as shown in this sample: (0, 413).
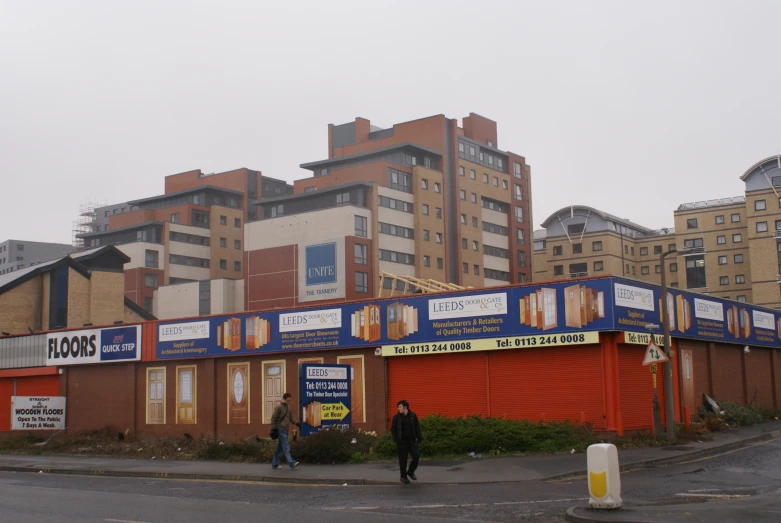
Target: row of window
(517, 189)
(397, 257)
(739, 278)
(236, 243)
(496, 275)
(190, 261)
(396, 230)
(398, 205)
(496, 229)
(475, 154)
(425, 210)
(490, 250)
(427, 263)
(762, 226)
(400, 181)
(692, 223)
(424, 186)
(185, 238)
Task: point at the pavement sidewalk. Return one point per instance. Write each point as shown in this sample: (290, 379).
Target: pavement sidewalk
(467, 470)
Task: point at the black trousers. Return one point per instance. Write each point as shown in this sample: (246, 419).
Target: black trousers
(411, 448)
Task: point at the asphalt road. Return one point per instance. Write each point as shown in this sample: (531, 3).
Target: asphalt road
(741, 485)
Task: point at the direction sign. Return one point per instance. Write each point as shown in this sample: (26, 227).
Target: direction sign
(654, 354)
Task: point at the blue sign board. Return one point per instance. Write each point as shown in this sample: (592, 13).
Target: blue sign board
(588, 305)
(325, 392)
(119, 344)
(321, 264)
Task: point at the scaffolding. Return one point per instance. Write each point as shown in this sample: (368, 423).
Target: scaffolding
(416, 285)
(85, 223)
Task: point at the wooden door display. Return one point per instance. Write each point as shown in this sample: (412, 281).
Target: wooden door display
(779, 327)
(601, 304)
(533, 309)
(312, 414)
(258, 332)
(238, 393)
(684, 313)
(356, 386)
(670, 310)
(572, 307)
(687, 378)
(185, 395)
(273, 387)
(402, 320)
(745, 323)
(732, 321)
(156, 396)
(365, 323)
(582, 306)
(229, 334)
(550, 311)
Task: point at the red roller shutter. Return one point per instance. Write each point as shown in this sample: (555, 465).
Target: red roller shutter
(449, 384)
(636, 388)
(557, 382)
(38, 386)
(6, 391)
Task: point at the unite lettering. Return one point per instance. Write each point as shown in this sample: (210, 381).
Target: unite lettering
(326, 270)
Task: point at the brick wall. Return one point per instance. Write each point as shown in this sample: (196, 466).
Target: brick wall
(78, 299)
(100, 396)
(759, 374)
(728, 382)
(107, 303)
(21, 307)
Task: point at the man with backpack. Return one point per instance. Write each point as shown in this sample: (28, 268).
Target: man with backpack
(280, 421)
(405, 429)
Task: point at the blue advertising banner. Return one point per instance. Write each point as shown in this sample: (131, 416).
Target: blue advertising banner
(533, 315)
(325, 392)
(94, 346)
(321, 264)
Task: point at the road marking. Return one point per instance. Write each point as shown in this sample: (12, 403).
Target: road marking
(124, 521)
(725, 453)
(714, 496)
(461, 505)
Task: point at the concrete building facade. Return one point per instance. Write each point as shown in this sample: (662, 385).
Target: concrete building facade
(19, 254)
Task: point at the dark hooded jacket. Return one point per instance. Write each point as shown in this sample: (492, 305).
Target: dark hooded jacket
(406, 428)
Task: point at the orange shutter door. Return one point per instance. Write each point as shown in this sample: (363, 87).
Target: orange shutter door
(635, 387)
(558, 382)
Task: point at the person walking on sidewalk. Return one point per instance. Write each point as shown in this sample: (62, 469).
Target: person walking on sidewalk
(406, 433)
(281, 420)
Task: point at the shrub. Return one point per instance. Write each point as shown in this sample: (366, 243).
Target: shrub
(332, 446)
(737, 415)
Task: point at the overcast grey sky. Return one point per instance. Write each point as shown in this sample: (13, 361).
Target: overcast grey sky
(629, 109)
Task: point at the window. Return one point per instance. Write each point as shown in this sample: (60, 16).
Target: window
(425, 209)
(724, 280)
(778, 225)
(237, 266)
(721, 240)
(151, 259)
(519, 236)
(626, 249)
(464, 243)
(722, 260)
(361, 226)
(738, 258)
(437, 187)
(223, 220)
(148, 303)
(693, 243)
(761, 226)
(673, 267)
(735, 218)
(463, 218)
(691, 223)
(397, 257)
(505, 185)
(596, 246)
(742, 298)
(519, 214)
(671, 247)
(657, 249)
(223, 242)
(461, 147)
(427, 261)
(150, 281)
(279, 210)
(438, 212)
(760, 205)
(361, 282)
(475, 245)
(599, 266)
(438, 237)
(657, 269)
(558, 270)
(496, 181)
(461, 170)
(740, 278)
(440, 263)
(719, 219)
(223, 264)
(361, 254)
(472, 174)
(474, 198)
(495, 229)
(477, 270)
(737, 238)
(633, 251)
(400, 181)
(175, 217)
(695, 272)
(465, 268)
(516, 169)
(485, 178)
(643, 251)
(496, 275)
(674, 285)
(424, 184)
(518, 191)
(474, 221)
(237, 223)
(237, 244)
(644, 269)
(633, 269)
(558, 250)
(521, 259)
(577, 248)
(426, 235)
(462, 194)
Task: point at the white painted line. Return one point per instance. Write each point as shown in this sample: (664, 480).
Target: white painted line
(124, 521)
(365, 508)
(540, 501)
(714, 496)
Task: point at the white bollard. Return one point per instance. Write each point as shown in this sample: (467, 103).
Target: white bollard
(604, 480)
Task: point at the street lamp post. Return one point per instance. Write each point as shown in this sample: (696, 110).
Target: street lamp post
(669, 400)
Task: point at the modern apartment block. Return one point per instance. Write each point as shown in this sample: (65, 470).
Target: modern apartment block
(583, 241)
(424, 198)
(193, 232)
(19, 254)
(736, 243)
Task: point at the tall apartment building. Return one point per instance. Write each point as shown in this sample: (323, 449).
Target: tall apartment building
(583, 241)
(19, 254)
(193, 232)
(424, 198)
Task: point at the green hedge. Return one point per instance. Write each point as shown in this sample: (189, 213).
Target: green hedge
(491, 436)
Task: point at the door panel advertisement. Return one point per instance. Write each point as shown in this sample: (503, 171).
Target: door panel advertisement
(534, 315)
(325, 392)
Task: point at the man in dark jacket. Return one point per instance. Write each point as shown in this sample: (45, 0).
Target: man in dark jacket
(406, 433)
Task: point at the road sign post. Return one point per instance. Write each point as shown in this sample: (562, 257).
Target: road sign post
(654, 355)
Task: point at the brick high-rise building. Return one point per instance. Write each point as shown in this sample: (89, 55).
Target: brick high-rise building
(424, 198)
